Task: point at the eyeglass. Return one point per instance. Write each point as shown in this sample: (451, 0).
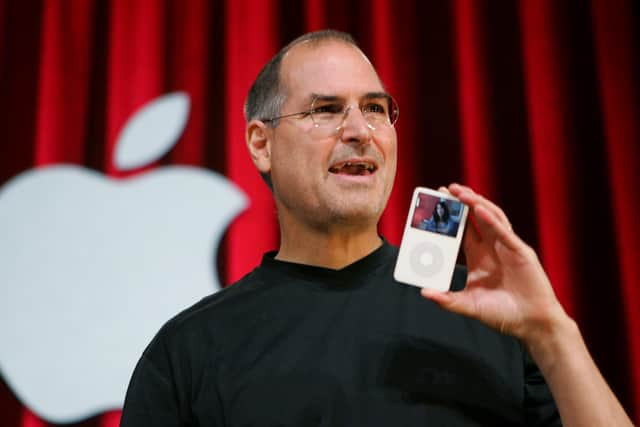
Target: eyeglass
(330, 112)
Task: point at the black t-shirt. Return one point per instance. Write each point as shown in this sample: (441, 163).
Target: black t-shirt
(296, 345)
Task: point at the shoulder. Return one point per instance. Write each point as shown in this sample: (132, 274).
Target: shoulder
(205, 323)
(221, 303)
(185, 355)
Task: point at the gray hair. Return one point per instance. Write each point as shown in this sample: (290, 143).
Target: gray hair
(267, 94)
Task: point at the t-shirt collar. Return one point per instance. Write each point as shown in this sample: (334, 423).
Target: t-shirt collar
(346, 277)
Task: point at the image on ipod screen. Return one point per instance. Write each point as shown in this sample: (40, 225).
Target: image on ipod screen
(437, 215)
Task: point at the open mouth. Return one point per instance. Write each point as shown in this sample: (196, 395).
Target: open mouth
(363, 167)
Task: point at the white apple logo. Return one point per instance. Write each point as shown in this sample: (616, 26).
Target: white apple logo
(91, 267)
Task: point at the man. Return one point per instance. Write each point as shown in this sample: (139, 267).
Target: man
(320, 334)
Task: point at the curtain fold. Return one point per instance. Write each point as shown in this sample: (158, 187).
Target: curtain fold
(251, 38)
(549, 123)
(63, 89)
(534, 103)
(474, 96)
(616, 52)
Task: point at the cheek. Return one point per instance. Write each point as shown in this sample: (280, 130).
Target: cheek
(292, 168)
(391, 155)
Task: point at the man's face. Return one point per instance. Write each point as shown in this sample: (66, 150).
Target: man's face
(317, 174)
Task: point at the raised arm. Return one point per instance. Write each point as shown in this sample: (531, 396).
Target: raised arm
(508, 290)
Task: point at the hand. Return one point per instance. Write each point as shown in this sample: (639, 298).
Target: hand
(507, 288)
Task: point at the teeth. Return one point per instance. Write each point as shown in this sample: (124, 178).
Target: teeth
(364, 165)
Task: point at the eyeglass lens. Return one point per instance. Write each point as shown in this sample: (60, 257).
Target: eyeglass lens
(331, 114)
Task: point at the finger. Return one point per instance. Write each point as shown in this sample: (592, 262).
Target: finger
(467, 195)
(483, 224)
(456, 188)
(444, 189)
(490, 225)
(456, 302)
(470, 194)
(471, 233)
(497, 210)
(471, 228)
(477, 199)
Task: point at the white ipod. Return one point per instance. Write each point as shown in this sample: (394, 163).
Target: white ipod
(431, 240)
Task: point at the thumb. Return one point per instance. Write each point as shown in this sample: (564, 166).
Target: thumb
(456, 302)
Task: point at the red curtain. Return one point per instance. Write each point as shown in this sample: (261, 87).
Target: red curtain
(534, 103)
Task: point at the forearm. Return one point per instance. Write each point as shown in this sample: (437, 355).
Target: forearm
(581, 393)
(508, 290)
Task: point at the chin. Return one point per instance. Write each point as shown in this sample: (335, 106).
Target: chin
(356, 212)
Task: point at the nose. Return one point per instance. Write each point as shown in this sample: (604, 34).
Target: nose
(354, 126)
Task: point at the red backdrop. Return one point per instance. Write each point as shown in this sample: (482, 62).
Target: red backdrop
(534, 103)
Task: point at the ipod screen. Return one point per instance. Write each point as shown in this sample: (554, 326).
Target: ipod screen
(437, 215)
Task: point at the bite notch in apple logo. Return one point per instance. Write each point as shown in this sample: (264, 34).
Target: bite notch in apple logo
(91, 266)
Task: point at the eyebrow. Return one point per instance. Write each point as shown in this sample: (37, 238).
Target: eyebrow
(328, 98)
(373, 95)
(332, 98)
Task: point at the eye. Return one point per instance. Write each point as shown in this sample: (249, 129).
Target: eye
(328, 109)
(375, 108)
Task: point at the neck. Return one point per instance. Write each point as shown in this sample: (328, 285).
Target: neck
(334, 247)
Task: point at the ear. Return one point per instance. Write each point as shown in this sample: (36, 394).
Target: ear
(258, 138)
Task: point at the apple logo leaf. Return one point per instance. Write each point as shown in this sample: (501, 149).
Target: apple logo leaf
(152, 131)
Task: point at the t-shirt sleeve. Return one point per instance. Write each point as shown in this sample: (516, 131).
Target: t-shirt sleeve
(151, 399)
(539, 406)
(170, 377)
